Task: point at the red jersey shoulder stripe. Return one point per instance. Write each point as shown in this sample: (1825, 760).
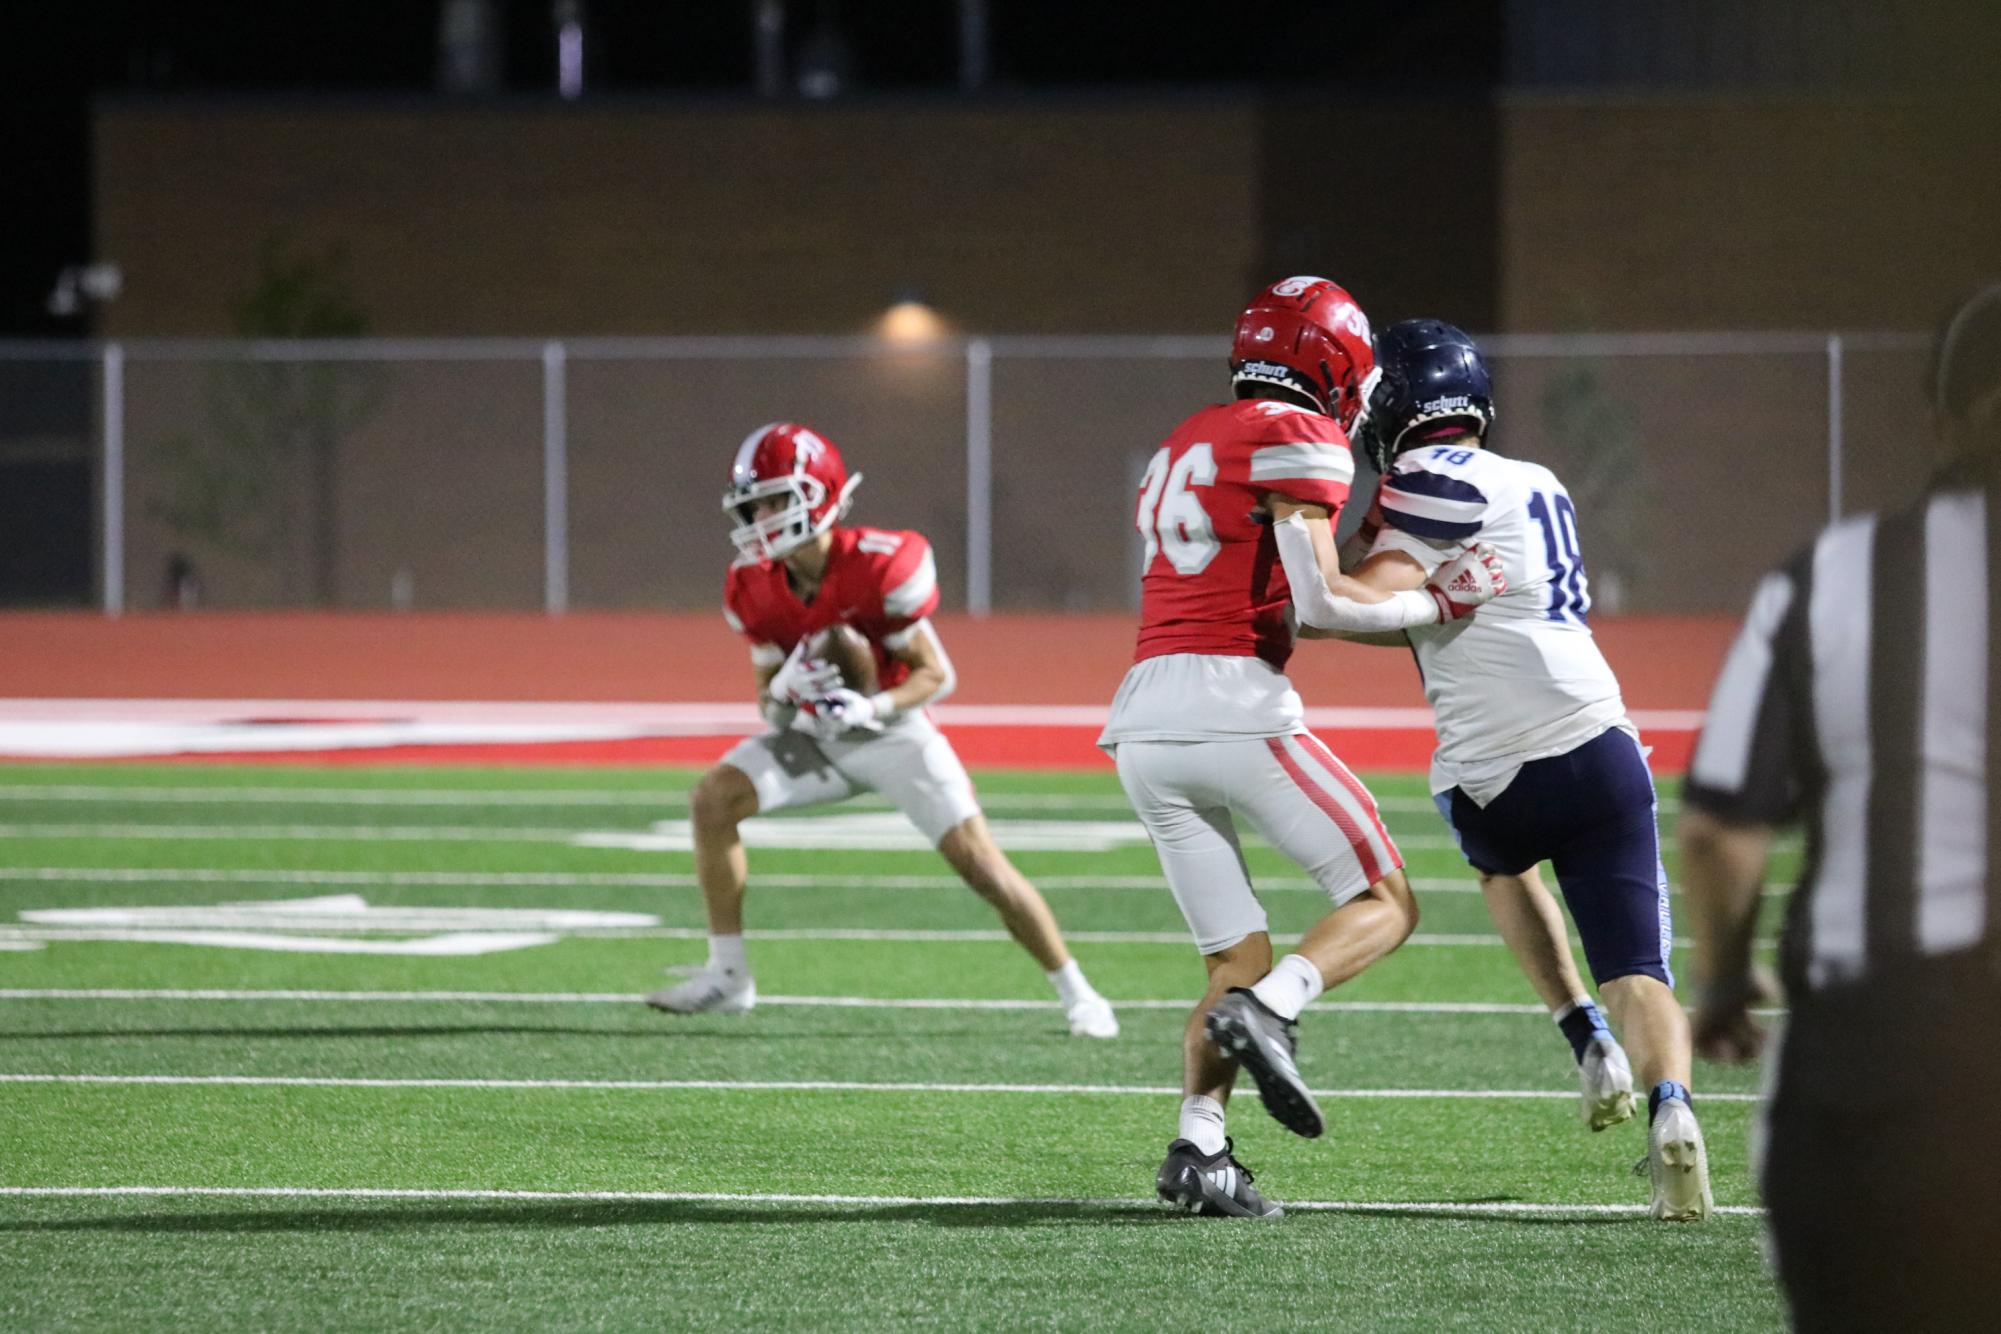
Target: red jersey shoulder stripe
(1309, 460)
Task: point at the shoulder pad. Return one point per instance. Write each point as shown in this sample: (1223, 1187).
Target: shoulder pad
(1435, 504)
(909, 577)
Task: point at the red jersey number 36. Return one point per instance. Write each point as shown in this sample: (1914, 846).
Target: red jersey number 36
(1171, 517)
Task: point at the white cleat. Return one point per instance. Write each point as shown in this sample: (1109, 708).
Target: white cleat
(1679, 1165)
(1092, 1017)
(706, 991)
(1606, 1079)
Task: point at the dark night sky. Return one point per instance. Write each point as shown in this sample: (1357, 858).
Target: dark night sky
(56, 54)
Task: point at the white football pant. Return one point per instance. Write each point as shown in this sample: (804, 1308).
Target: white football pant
(910, 762)
(1290, 789)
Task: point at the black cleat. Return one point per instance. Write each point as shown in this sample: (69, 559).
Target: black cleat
(1243, 1029)
(1210, 1184)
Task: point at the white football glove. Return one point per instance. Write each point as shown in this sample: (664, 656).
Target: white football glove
(841, 711)
(802, 680)
(1467, 582)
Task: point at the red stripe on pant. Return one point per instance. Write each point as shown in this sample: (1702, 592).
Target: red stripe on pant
(1333, 765)
(1334, 810)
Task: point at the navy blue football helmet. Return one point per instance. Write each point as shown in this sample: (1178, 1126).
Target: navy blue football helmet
(1431, 372)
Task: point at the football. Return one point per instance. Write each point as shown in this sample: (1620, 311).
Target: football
(845, 647)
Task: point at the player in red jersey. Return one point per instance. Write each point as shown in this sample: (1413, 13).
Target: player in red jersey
(799, 574)
(1207, 731)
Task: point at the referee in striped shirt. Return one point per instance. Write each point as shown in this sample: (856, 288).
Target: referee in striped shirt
(1860, 701)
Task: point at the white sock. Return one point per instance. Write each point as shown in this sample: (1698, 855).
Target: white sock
(726, 955)
(1202, 1123)
(1290, 986)
(1071, 985)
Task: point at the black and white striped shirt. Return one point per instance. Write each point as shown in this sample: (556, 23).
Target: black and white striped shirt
(1859, 699)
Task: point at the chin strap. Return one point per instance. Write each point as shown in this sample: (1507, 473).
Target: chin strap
(846, 500)
(1366, 392)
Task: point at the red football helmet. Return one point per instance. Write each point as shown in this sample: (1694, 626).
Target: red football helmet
(786, 459)
(1307, 335)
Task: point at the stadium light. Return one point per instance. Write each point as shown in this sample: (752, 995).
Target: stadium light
(910, 320)
(81, 286)
(569, 16)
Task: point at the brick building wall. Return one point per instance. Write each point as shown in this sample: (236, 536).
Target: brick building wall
(1768, 213)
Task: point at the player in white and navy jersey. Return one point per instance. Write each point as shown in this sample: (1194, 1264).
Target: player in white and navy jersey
(1208, 733)
(1536, 760)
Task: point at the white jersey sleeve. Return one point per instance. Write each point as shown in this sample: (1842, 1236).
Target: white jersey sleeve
(1522, 678)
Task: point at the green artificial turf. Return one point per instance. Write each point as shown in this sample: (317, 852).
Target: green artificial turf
(1442, 1121)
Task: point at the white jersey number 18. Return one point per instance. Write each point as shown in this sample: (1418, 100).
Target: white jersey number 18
(1569, 596)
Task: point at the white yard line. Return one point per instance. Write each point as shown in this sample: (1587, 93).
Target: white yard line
(190, 875)
(252, 832)
(823, 935)
(339, 796)
(110, 875)
(559, 879)
(634, 998)
(970, 936)
(437, 834)
(605, 798)
(1482, 1208)
(772, 1086)
(348, 915)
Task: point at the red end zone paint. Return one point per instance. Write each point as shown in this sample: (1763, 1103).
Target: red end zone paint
(1663, 662)
(311, 660)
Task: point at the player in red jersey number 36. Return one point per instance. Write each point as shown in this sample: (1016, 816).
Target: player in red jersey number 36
(800, 577)
(1207, 731)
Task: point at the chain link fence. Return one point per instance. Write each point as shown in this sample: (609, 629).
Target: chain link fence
(587, 474)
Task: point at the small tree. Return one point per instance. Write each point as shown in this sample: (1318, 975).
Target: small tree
(1591, 441)
(264, 476)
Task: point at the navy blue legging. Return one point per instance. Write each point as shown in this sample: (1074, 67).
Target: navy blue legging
(1590, 813)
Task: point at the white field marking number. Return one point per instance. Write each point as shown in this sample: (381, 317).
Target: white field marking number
(1171, 517)
(883, 831)
(324, 924)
